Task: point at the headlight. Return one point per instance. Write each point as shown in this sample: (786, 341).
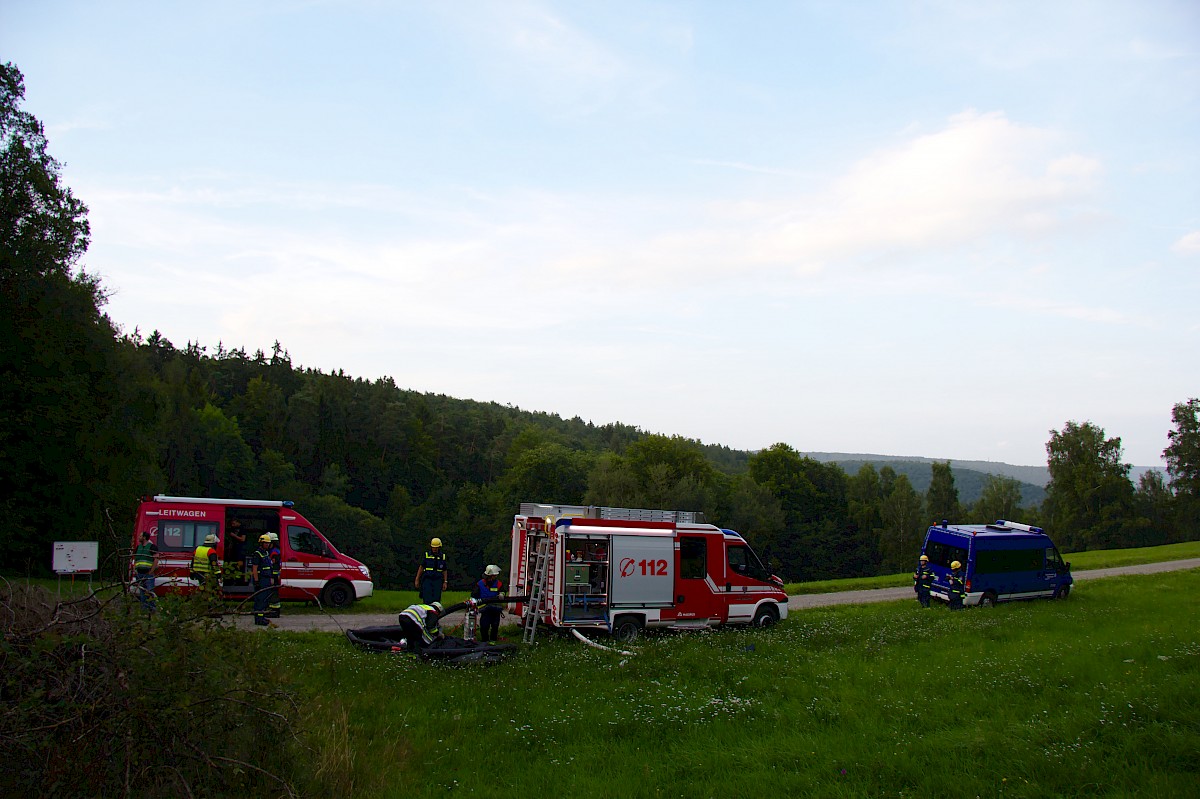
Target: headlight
(366, 572)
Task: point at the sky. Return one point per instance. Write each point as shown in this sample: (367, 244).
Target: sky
(936, 229)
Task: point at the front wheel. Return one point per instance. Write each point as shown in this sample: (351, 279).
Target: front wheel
(1063, 592)
(765, 616)
(337, 595)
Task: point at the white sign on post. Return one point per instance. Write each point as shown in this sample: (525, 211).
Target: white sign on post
(75, 557)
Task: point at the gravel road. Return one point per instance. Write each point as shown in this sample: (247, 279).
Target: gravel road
(340, 622)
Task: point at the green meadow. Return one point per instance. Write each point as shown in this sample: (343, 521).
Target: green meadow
(1098, 695)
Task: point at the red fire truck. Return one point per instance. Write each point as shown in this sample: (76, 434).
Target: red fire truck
(311, 567)
(622, 570)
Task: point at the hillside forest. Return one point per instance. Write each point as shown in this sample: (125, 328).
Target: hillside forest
(95, 417)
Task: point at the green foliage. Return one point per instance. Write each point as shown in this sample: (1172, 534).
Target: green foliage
(1089, 498)
(942, 498)
(99, 699)
(1183, 463)
(1022, 700)
(1001, 499)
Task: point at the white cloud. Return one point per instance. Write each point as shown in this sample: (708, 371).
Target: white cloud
(1188, 244)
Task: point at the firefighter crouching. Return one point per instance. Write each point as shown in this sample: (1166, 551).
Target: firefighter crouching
(420, 625)
(958, 589)
(923, 581)
(206, 568)
(262, 579)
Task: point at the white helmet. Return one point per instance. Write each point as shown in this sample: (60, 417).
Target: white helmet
(492, 570)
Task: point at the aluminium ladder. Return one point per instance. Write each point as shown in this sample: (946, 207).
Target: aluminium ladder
(537, 590)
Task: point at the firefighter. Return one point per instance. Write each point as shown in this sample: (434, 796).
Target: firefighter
(235, 553)
(206, 569)
(420, 625)
(489, 587)
(274, 608)
(262, 579)
(144, 558)
(957, 588)
(923, 581)
(431, 575)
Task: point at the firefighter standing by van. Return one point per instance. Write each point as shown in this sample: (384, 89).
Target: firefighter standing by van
(420, 625)
(431, 575)
(274, 608)
(958, 589)
(262, 579)
(206, 568)
(489, 587)
(144, 557)
(923, 581)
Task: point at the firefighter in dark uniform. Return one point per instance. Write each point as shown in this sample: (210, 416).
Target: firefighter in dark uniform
(958, 589)
(274, 608)
(489, 587)
(431, 575)
(262, 579)
(923, 581)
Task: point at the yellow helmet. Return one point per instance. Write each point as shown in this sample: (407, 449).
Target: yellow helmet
(924, 558)
(956, 565)
(435, 543)
(265, 538)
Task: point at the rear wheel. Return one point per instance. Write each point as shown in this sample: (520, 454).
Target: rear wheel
(988, 600)
(765, 616)
(337, 595)
(626, 629)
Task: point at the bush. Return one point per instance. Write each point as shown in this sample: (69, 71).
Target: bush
(100, 698)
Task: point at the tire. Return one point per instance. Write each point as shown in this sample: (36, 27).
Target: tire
(765, 616)
(627, 629)
(1063, 592)
(988, 600)
(337, 595)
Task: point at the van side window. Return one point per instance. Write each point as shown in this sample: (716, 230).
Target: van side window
(1001, 561)
(742, 560)
(693, 558)
(1054, 560)
(176, 536)
(943, 554)
(304, 540)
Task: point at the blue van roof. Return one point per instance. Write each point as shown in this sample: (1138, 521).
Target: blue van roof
(987, 531)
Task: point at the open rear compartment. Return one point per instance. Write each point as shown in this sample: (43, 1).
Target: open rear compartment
(586, 579)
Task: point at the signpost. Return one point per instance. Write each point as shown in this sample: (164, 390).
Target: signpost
(75, 557)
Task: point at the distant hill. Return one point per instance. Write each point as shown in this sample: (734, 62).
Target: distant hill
(969, 476)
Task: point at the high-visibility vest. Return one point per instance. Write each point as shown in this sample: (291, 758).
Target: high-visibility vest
(266, 567)
(433, 564)
(485, 591)
(200, 560)
(421, 615)
(143, 557)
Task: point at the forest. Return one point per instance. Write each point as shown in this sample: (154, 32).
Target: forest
(95, 417)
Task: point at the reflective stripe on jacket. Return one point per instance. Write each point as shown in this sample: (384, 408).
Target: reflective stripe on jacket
(433, 564)
(426, 618)
(143, 557)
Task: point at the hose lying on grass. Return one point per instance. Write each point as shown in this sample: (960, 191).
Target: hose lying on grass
(590, 642)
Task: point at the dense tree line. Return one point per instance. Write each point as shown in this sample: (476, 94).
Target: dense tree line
(94, 418)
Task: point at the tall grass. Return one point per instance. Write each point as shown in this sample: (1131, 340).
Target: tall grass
(1094, 696)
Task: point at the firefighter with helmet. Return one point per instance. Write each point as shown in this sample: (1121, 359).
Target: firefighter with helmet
(923, 581)
(206, 568)
(490, 587)
(958, 590)
(431, 574)
(274, 608)
(262, 579)
(420, 625)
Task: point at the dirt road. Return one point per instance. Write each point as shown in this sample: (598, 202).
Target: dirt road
(341, 622)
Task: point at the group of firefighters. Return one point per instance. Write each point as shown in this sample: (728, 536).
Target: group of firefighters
(421, 620)
(923, 583)
(260, 568)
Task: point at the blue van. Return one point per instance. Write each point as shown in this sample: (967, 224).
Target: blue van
(1001, 561)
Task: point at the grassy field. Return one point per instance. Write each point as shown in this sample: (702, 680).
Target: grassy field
(1094, 696)
(1100, 559)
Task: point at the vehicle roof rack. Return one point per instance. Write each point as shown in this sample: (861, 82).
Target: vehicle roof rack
(602, 512)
